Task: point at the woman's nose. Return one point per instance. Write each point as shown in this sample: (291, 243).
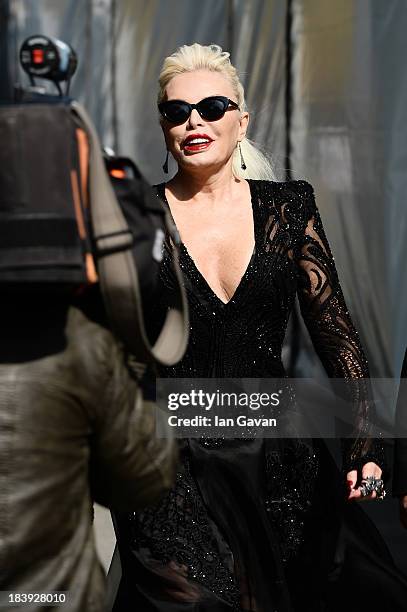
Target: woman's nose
(195, 119)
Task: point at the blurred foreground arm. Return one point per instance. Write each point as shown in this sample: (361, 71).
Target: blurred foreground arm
(130, 466)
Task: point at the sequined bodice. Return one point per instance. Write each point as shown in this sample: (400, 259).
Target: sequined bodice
(244, 337)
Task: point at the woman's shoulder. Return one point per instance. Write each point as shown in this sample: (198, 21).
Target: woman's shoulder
(298, 188)
(297, 195)
(159, 191)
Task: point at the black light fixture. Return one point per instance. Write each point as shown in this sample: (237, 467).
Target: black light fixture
(48, 58)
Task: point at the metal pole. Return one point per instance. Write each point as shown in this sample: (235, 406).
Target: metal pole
(230, 27)
(288, 87)
(295, 321)
(113, 69)
(6, 85)
(88, 55)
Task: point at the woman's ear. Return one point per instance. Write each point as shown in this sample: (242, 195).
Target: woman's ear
(243, 125)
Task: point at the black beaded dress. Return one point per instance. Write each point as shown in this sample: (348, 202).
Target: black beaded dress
(261, 525)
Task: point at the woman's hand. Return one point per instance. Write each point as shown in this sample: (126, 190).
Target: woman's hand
(369, 469)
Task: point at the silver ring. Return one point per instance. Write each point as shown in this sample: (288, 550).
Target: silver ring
(370, 484)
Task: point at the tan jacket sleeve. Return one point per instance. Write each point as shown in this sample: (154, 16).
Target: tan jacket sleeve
(130, 465)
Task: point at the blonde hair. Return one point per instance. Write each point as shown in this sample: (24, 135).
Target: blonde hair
(189, 58)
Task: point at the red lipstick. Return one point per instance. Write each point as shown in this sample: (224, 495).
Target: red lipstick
(196, 142)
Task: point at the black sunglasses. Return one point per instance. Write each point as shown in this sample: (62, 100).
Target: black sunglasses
(210, 109)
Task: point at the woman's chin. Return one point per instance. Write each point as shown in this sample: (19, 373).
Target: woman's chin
(197, 161)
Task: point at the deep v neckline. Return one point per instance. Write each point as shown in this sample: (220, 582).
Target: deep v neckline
(200, 277)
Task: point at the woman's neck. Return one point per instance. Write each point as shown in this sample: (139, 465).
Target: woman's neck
(218, 186)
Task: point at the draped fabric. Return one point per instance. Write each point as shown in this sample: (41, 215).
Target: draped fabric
(348, 136)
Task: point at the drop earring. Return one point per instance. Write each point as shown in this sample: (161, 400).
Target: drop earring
(165, 165)
(242, 162)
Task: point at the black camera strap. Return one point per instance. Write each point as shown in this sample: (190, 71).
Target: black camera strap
(117, 269)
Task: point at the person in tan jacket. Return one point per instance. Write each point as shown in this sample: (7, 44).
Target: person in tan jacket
(73, 430)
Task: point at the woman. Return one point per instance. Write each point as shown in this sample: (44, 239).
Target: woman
(255, 525)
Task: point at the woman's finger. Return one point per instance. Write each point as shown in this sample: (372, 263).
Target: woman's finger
(354, 494)
(371, 469)
(351, 480)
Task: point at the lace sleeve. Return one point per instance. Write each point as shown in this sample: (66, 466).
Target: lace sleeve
(333, 334)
